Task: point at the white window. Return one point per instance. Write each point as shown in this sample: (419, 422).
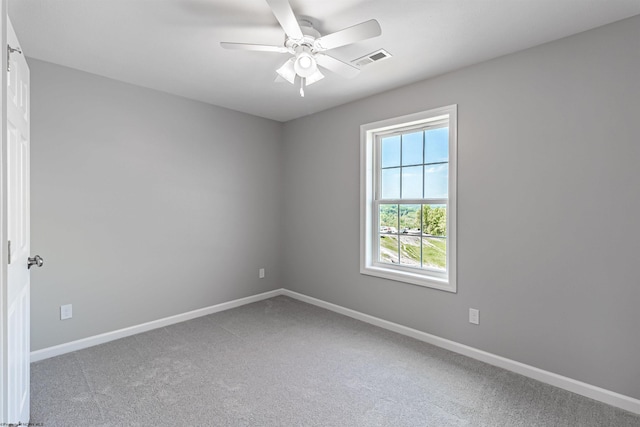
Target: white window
(408, 198)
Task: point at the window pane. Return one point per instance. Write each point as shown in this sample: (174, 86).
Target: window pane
(390, 151)
(410, 219)
(434, 252)
(434, 220)
(388, 219)
(436, 145)
(410, 251)
(412, 182)
(390, 183)
(389, 249)
(412, 149)
(436, 181)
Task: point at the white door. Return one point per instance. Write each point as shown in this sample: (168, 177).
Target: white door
(18, 301)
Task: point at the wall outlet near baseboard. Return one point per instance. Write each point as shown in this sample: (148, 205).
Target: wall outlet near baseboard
(261, 273)
(66, 311)
(474, 316)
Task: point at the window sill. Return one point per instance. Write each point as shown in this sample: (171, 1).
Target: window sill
(424, 280)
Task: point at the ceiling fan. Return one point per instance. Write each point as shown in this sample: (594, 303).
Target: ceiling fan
(307, 46)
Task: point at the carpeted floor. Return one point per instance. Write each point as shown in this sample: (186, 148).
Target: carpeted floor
(281, 362)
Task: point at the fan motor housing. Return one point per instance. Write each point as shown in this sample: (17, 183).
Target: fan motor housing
(310, 35)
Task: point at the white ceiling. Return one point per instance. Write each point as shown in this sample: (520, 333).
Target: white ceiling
(173, 45)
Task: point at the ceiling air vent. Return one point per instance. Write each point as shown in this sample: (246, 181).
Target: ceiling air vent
(376, 56)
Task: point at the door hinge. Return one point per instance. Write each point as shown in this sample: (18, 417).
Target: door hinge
(10, 50)
(9, 251)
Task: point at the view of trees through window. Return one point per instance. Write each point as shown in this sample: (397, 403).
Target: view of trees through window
(413, 235)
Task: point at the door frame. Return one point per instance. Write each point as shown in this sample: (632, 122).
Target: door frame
(4, 391)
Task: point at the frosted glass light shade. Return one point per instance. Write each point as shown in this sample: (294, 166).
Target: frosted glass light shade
(287, 71)
(314, 77)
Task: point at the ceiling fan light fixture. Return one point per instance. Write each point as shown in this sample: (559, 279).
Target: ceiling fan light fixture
(305, 64)
(287, 71)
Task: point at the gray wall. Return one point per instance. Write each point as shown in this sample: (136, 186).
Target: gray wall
(548, 207)
(143, 204)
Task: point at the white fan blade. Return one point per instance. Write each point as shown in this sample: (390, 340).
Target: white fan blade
(284, 14)
(363, 31)
(259, 47)
(337, 66)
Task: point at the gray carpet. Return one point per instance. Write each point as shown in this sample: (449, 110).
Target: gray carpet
(281, 362)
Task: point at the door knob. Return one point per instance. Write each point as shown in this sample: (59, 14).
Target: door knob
(36, 260)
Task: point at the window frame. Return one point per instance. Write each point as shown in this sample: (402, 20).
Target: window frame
(370, 170)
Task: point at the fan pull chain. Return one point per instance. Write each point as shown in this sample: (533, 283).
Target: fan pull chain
(302, 82)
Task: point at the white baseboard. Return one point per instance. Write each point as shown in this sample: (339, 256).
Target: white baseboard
(57, 350)
(596, 393)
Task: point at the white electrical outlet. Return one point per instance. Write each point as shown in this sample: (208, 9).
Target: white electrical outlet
(474, 316)
(66, 312)
(261, 273)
